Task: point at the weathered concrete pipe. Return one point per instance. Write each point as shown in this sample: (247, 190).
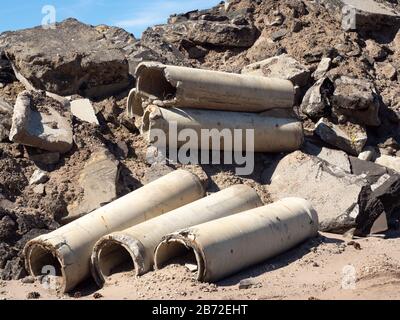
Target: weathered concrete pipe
(204, 89)
(133, 248)
(271, 134)
(225, 246)
(68, 249)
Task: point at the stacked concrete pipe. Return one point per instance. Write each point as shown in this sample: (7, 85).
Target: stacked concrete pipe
(133, 248)
(69, 248)
(198, 99)
(225, 246)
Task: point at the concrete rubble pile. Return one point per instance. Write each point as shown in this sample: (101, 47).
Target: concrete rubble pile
(82, 106)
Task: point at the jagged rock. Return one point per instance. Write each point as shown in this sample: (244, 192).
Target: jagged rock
(350, 137)
(334, 157)
(6, 112)
(322, 68)
(316, 102)
(370, 170)
(194, 51)
(357, 100)
(83, 110)
(282, 67)
(221, 34)
(119, 37)
(39, 177)
(341, 199)
(389, 162)
(278, 35)
(332, 192)
(99, 181)
(369, 15)
(377, 205)
(368, 154)
(41, 122)
(74, 58)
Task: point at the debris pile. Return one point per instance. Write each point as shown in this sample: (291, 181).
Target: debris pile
(69, 149)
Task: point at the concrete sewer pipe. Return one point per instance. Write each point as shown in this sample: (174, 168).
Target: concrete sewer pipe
(203, 89)
(271, 134)
(133, 248)
(69, 248)
(225, 246)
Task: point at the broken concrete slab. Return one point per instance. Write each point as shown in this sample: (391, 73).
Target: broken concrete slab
(221, 34)
(389, 162)
(334, 194)
(41, 122)
(367, 14)
(73, 58)
(280, 67)
(370, 170)
(334, 157)
(322, 68)
(316, 102)
(98, 180)
(376, 205)
(357, 100)
(348, 137)
(83, 110)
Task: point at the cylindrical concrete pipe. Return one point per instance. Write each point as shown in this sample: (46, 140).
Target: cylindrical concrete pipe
(204, 89)
(68, 249)
(225, 246)
(271, 134)
(133, 248)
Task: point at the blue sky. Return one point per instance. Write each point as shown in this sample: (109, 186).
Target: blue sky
(133, 15)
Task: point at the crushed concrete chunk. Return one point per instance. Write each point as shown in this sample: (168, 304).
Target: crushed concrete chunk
(350, 138)
(39, 121)
(83, 110)
(99, 181)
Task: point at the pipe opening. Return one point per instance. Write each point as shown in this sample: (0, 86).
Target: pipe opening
(43, 261)
(153, 83)
(114, 258)
(178, 252)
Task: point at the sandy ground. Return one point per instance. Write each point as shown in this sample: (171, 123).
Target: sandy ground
(322, 268)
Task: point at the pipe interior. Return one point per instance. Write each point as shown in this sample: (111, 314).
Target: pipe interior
(176, 253)
(43, 261)
(153, 83)
(114, 258)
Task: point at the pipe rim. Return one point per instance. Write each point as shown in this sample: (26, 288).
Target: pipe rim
(137, 260)
(50, 249)
(188, 244)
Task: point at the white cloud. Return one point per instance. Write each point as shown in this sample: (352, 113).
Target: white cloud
(157, 11)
